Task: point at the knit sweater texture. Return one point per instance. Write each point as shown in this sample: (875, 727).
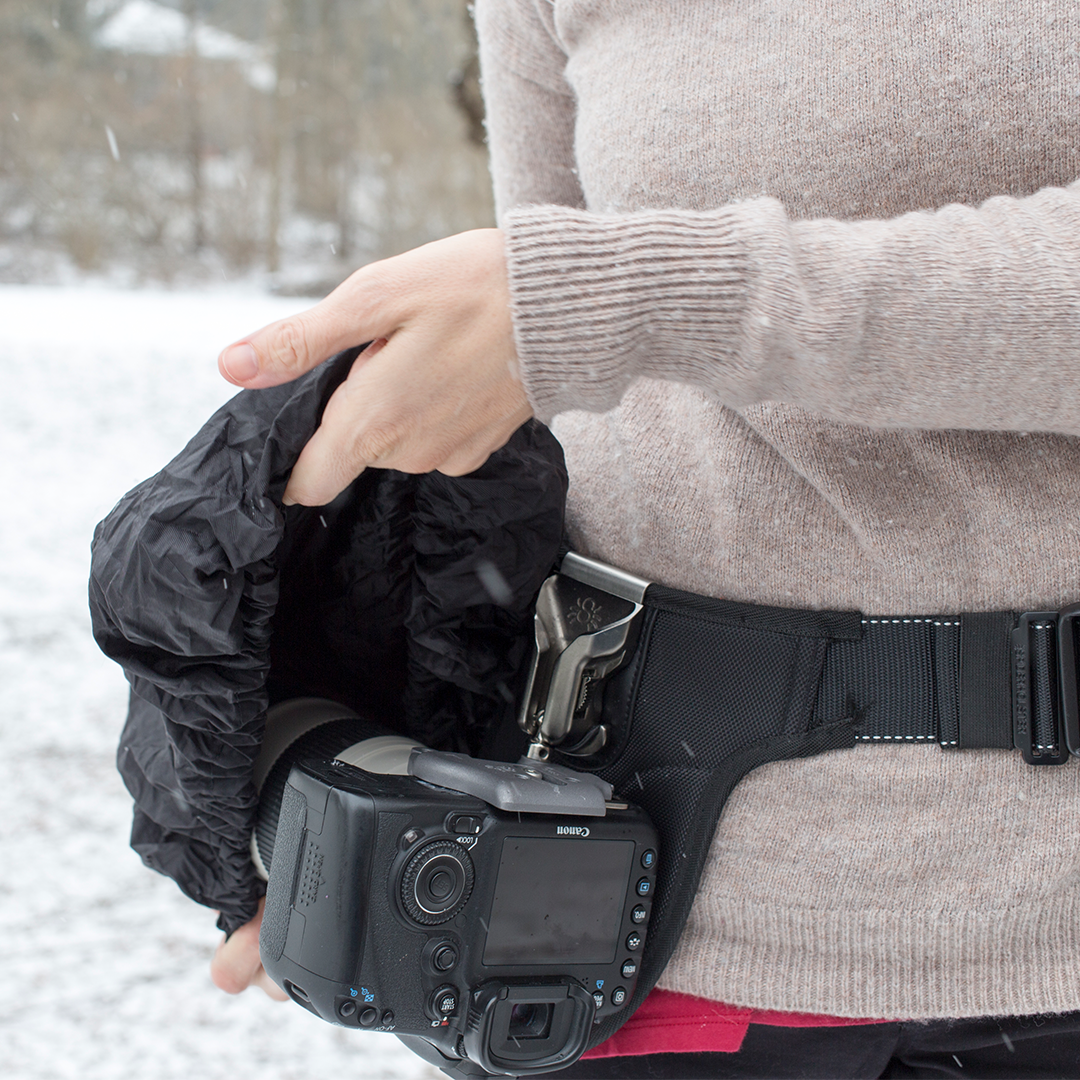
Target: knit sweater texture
(799, 286)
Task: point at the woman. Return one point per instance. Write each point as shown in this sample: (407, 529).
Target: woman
(799, 286)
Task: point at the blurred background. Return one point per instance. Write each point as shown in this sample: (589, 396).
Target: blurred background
(173, 175)
(285, 140)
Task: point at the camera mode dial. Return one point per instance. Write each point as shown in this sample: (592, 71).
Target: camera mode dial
(437, 882)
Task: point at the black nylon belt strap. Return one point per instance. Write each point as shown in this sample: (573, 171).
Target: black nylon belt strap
(983, 679)
(925, 679)
(716, 688)
(985, 718)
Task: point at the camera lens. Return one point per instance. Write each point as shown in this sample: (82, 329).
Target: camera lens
(530, 1021)
(437, 882)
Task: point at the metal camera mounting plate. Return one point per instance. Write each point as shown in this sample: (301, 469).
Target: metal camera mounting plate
(528, 787)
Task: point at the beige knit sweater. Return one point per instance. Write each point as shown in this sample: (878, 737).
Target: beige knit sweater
(800, 284)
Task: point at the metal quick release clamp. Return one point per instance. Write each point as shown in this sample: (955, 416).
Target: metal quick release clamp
(587, 622)
(588, 617)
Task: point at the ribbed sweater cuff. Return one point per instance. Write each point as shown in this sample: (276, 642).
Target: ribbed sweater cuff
(601, 300)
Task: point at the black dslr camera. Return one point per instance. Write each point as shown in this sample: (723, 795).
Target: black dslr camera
(487, 913)
(491, 911)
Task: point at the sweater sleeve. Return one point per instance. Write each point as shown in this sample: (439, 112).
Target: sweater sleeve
(529, 106)
(960, 318)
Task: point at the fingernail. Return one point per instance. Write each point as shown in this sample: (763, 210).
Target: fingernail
(376, 346)
(240, 362)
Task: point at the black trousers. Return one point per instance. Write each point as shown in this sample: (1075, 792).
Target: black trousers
(1005, 1048)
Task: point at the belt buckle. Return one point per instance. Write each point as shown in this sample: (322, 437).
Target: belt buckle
(1061, 686)
(1067, 665)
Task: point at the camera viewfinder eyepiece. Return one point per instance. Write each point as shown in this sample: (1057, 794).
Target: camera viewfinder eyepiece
(529, 1027)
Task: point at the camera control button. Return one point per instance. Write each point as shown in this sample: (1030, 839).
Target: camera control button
(598, 997)
(465, 824)
(441, 884)
(437, 882)
(618, 996)
(633, 941)
(444, 957)
(629, 969)
(644, 887)
(346, 1009)
(639, 914)
(369, 1016)
(444, 1001)
(648, 859)
(387, 1018)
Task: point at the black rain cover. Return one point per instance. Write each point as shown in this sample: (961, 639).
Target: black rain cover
(408, 596)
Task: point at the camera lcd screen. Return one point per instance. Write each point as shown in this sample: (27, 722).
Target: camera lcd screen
(558, 901)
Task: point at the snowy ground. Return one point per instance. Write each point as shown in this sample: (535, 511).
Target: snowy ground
(105, 964)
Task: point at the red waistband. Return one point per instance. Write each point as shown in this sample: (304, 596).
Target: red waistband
(670, 1023)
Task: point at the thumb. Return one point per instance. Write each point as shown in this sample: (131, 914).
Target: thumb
(284, 350)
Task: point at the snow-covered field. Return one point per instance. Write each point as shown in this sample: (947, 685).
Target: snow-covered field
(105, 964)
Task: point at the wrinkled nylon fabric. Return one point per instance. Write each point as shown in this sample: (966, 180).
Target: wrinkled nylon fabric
(409, 597)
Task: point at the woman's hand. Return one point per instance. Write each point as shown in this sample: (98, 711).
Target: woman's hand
(438, 388)
(236, 964)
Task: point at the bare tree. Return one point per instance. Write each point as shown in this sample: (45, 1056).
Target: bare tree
(333, 132)
(195, 138)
